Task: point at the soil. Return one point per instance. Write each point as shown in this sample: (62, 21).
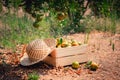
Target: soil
(100, 49)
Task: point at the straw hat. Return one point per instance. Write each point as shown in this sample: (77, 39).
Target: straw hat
(37, 50)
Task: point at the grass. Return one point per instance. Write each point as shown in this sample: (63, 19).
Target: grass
(17, 30)
(104, 24)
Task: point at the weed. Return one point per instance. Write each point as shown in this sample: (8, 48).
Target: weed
(86, 38)
(33, 76)
(113, 46)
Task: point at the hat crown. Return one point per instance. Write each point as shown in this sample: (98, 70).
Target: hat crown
(37, 49)
(37, 44)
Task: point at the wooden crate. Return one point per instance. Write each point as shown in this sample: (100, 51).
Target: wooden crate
(66, 56)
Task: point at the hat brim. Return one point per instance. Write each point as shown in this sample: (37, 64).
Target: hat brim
(25, 61)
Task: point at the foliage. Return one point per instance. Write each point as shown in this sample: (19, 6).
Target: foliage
(0, 6)
(99, 7)
(105, 7)
(63, 16)
(12, 3)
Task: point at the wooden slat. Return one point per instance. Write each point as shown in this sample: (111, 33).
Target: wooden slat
(66, 60)
(69, 60)
(61, 52)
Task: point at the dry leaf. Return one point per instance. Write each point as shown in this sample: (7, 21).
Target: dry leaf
(78, 71)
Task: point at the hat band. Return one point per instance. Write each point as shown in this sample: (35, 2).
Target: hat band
(37, 54)
(33, 59)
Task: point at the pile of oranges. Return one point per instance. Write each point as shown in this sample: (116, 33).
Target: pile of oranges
(62, 43)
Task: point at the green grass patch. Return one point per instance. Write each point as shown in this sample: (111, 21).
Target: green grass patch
(17, 30)
(33, 76)
(104, 24)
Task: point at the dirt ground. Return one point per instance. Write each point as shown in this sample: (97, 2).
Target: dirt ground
(100, 50)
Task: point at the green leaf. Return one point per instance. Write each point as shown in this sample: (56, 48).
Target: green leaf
(60, 41)
(87, 65)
